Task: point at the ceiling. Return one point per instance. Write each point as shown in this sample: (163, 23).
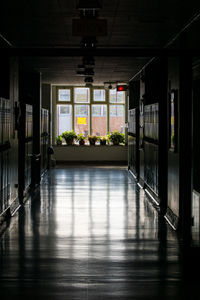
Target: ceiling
(130, 23)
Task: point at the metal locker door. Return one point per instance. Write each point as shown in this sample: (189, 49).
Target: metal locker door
(1, 122)
(1, 184)
(28, 143)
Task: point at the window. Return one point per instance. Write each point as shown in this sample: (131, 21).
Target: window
(99, 120)
(90, 111)
(117, 97)
(117, 118)
(64, 118)
(99, 95)
(81, 120)
(82, 95)
(64, 95)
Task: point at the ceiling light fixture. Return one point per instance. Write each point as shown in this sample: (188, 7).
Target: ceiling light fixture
(88, 8)
(88, 79)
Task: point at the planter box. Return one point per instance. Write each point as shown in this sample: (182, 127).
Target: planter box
(90, 153)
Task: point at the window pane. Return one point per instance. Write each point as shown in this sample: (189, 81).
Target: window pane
(99, 120)
(99, 95)
(117, 118)
(64, 119)
(64, 95)
(117, 97)
(82, 95)
(82, 119)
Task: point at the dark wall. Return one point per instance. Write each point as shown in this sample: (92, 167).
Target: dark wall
(196, 135)
(30, 93)
(134, 94)
(153, 76)
(5, 77)
(47, 104)
(9, 136)
(46, 96)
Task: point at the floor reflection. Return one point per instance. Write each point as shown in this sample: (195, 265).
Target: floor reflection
(90, 233)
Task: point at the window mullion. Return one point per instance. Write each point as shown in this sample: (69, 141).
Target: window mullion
(90, 111)
(108, 111)
(90, 118)
(73, 127)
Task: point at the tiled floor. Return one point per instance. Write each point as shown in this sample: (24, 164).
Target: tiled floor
(91, 233)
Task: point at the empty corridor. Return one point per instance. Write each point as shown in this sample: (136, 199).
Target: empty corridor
(90, 233)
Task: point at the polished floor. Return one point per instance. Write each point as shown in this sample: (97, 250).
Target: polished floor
(91, 233)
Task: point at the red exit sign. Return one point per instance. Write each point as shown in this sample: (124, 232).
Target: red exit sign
(121, 88)
(89, 27)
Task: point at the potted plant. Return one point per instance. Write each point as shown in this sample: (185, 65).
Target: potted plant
(59, 140)
(81, 138)
(116, 137)
(92, 139)
(69, 137)
(103, 140)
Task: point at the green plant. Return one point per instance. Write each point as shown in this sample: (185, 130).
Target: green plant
(69, 137)
(59, 140)
(103, 140)
(116, 137)
(92, 139)
(81, 138)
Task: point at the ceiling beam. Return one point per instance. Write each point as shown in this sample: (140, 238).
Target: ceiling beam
(109, 52)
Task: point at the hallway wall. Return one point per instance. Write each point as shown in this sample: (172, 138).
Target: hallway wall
(9, 139)
(20, 91)
(171, 86)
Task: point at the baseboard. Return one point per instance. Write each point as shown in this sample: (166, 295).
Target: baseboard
(172, 219)
(152, 195)
(15, 205)
(133, 174)
(141, 183)
(9, 212)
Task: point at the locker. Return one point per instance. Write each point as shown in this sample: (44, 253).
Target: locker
(28, 143)
(25, 148)
(1, 121)
(151, 121)
(1, 182)
(132, 121)
(5, 117)
(44, 139)
(151, 166)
